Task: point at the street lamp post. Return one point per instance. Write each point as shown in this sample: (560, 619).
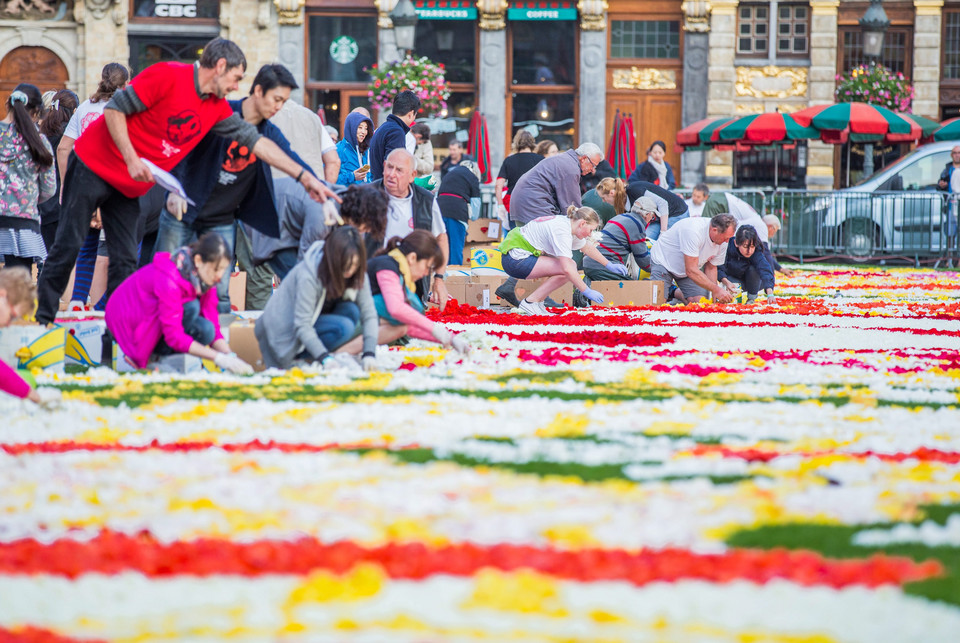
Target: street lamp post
(404, 18)
(874, 24)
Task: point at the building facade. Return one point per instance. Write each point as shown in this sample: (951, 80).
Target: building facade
(559, 68)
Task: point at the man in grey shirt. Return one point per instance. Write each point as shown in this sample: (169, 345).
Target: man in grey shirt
(548, 189)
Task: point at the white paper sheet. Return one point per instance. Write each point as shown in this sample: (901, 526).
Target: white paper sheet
(166, 180)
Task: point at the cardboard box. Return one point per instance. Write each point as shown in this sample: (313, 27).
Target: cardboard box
(563, 294)
(484, 231)
(631, 293)
(491, 282)
(244, 343)
(32, 346)
(478, 295)
(83, 341)
(457, 271)
(238, 291)
(486, 261)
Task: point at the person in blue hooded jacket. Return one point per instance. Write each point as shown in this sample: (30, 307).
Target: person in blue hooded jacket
(353, 149)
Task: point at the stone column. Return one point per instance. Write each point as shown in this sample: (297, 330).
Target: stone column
(492, 100)
(822, 84)
(722, 77)
(696, 24)
(592, 126)
(104, 26)
(387, 41)
(926, 57)
(290, 42)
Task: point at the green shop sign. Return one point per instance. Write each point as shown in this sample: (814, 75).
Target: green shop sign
(542, 10)
(445, 9)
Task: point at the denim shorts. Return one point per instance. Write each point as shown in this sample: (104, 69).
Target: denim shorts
(519, 268)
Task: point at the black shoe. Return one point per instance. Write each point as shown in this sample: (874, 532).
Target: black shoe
(579, 301)
(508, 296)
(549, 303)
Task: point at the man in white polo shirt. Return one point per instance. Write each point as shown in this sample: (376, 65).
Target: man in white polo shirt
(689, 253)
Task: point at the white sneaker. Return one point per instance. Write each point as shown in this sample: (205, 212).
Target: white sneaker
(531, 308)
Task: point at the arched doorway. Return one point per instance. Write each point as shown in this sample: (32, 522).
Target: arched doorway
(36, 65)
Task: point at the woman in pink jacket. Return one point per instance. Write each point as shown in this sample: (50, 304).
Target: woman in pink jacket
(170, 306)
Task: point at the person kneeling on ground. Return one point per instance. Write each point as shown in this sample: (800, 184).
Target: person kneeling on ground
(622, 238)
(689, 253)
(18, 295)
(319, 304)
(544, 248)
(747, 265)
(170, 306)
(394, 273)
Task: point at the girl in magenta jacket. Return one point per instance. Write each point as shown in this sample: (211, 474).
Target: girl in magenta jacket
(170, 306)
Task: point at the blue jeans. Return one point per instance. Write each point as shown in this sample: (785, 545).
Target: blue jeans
(337, 327)
(196, 326)
(456, 236)
(653, 230)
(173, 234)
(283, 262)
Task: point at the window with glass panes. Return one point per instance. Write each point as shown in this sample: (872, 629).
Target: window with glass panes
(644, 39)
(753, 29)
(792, 24)
(895, 54)
(951, 44)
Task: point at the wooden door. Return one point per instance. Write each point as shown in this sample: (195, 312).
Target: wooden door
(656, 117)
(36, 65)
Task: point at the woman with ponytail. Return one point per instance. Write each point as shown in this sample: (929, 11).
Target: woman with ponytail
(27, 178)
(544, 248)
(113, 77)
(62, 106)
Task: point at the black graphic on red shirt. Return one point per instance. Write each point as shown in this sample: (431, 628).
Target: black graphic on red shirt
(183, 127)
(239, 157)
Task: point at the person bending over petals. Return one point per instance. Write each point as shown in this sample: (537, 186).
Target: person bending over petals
(319, 305)
(170, 306)
(544, 248)
(394, 272)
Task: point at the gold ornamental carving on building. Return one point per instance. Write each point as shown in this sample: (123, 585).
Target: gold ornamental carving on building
(384, 7)
(289, 12)
(696, 16)
(646, 78)
(492, 14)
(593, 14)
(771, 82)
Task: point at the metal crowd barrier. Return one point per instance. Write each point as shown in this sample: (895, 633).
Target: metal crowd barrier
(917, 226)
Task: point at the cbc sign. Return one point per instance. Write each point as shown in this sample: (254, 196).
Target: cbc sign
(176, 9)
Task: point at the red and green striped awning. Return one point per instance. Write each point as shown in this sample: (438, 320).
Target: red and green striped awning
(764, 129)
(542, 10)
(863, 122)
(446, 9)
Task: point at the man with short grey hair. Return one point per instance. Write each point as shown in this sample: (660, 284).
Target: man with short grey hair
(689, 253)
(548, 189)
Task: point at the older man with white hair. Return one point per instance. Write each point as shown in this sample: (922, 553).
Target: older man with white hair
(413, 208)
(548, 189)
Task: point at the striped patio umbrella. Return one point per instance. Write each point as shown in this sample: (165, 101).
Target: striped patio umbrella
(866, 123)
(478, 145)
(698, 135)
(949, 131)
(765, 129)
(631, 138)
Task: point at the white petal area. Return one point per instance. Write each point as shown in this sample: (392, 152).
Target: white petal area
(129, 607)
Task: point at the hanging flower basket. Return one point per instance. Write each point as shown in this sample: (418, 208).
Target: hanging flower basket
(877, 85)
(419, 75)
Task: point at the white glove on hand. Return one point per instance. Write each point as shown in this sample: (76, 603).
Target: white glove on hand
(502, 214)
(369, 363)
(442, 335)
(460, 344)
(230, 362)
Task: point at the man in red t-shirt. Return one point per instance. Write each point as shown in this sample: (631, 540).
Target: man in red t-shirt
(160, 116)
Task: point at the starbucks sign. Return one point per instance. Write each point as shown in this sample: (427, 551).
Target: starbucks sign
(344, 49)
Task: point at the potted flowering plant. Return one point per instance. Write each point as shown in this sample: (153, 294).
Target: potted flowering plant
(420, 75)
(877, 85)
